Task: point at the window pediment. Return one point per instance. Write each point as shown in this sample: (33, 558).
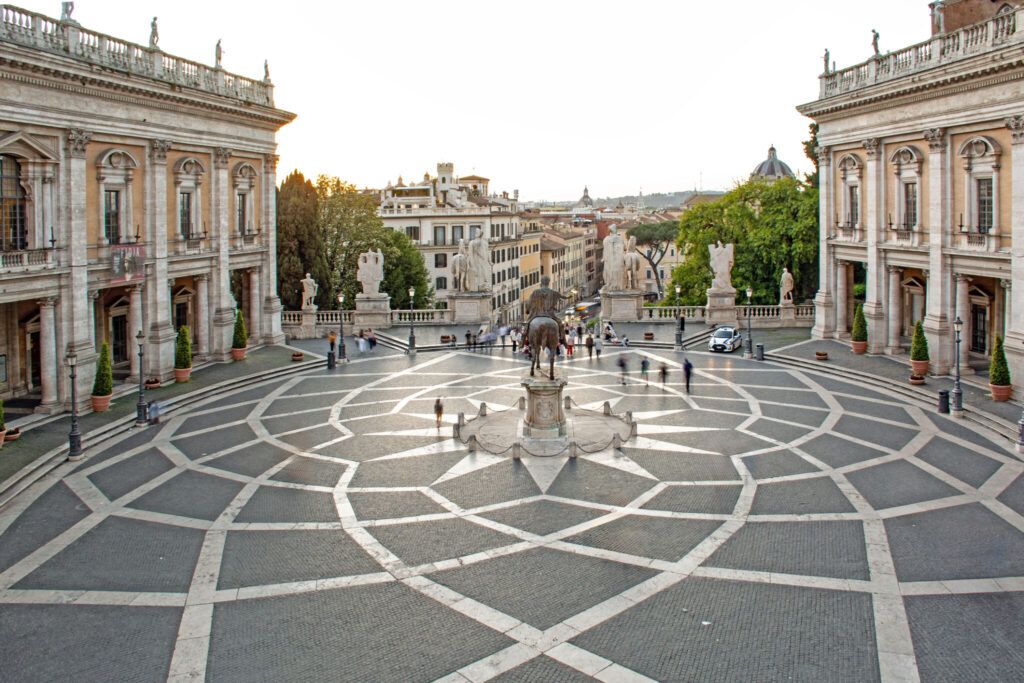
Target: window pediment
(23, 145)
(980, 147)
(907, 157)
(850, 165)
(116, 159)
(189, 166)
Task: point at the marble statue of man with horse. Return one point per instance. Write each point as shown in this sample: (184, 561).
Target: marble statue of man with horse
(544, 328)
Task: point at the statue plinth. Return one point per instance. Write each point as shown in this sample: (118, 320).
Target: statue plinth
(544, 415)
(470, 307)
(622, 306)
(721, 308)
(372, 310)
(308, 328)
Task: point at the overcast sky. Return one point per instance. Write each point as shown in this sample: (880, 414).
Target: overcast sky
(541, 96)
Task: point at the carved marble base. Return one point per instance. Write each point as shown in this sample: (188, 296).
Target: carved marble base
(373, 311)
(721, 308)
(308, 328)
(622, 306)
(470, 307)
(787, 312)
(544, 416)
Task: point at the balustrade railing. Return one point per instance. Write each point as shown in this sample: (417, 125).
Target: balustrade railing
(960, 44)
(28, 259)
(424, 315)
(39, 31)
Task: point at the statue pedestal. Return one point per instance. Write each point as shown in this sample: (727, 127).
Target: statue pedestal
(372, 310)
(787, 313)
(308, 329)
(544, 416)
(470, 307)
(721, 308)
(622, 306)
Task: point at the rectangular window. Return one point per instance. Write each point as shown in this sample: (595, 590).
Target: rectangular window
(413, 232)
(185, 217)
(474, 230)
(112, 216)
(909, 205)
(441, 261)
(456, 234)
(984, 205)
(854, 215)
(240, 212)
(180, 314)
(439, 234)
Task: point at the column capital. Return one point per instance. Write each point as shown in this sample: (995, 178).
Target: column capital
(926, 273)
(1006, 284)
(270, 163)
(94, 294)
(77, 139)
(48, 302)
(134, 289)
(894, 269)
(1016, 126)
(158, 150)
(221, 157)
(171, 281)
(870, 147)
(960, 277)
(824, 154)
(201, 277)
(936, 138)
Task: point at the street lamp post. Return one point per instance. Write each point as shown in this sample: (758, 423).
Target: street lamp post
(679, 324)
(140, 407)
(958, 394)
(750, 341)
(75, 437)
(341, 328)
(412, 330)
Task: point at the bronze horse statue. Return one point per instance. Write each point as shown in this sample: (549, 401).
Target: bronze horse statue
(543, 334)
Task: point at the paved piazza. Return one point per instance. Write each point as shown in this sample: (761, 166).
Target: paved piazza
(773, 525)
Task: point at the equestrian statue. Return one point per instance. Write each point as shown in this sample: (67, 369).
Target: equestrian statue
(544, 329)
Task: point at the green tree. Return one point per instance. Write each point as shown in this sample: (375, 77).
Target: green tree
(103, 384)
(653, 241)
(300, 242)
(183, 349)
(772, 225)
(240, 338)
(859, 332)
(811, 150)
(998, 370)
(919, 343)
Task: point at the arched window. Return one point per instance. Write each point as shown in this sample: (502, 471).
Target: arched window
(981, 190)
(188, 179)
(906, 163)
(850, 171)
(114, 172)
(245, 180)
(12, 201)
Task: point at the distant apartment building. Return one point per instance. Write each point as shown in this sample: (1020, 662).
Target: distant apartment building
(439, 212)
(529, 268)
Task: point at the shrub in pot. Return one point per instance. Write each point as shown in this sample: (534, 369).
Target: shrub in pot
(859, 333)
(240, 339)
(999, 373)
(183, 355)
(919, 351)
(103, 384)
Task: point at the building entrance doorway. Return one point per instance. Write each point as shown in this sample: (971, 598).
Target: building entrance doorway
(119, 338)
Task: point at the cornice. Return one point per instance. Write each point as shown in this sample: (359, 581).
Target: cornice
(172, 98)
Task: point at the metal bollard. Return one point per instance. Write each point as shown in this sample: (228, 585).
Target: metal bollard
(944, 401)
(759, 355)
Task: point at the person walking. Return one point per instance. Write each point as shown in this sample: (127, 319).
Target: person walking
(515, 340)
(438, 411)
(469, 338)
(571, 341)
(687, 372)
(598, 345)
(503, 331)
(663, 371)
(590, 346)
(644, 367)
(623, 366)
(371, 339)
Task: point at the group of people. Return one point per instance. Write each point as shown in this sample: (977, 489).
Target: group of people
(366, 340)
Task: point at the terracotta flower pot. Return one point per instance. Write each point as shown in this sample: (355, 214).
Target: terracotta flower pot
(237, 354)
(917, 379)
(153, 384)
(821, 355)
(919, 367)
(12, 434)
(1000, 392)
(100, 403)
(182, 374)
(859, 347)
(297, 356)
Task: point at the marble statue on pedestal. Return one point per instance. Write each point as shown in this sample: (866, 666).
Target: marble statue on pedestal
(786, 288)
(721, 264)
(460, 269)
(479, 264)
(370, 272)
(633, 266)
(154, 35)
(309, 289)
(614, 260)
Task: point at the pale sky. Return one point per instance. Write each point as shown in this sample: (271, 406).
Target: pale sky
(541, 96)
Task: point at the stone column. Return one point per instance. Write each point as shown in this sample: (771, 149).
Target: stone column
(826, 312)
(202, 314)
(271, 323)
(874, 311)
(160, 337)
(255, 299)
(223, 304)
(134, 327)
(1014, 346)
(48, 356)
(93, 296)
(937, 327)
(963, 311)
(895, 312)
(75, 307)
(842, 302)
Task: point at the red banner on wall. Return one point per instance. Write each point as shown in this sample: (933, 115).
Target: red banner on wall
(126, 263)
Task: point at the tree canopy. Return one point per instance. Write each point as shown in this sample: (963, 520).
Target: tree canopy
(773, 225)
(299, 243)
(653, 240)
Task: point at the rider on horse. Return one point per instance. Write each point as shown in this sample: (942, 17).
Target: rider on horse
(545, 302)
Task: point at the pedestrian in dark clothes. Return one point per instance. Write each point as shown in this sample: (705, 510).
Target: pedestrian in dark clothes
(687, 372)
(438, 411)
(644, 366)
(590, 346)
(663, 371)
(622, 368)
(469, 338)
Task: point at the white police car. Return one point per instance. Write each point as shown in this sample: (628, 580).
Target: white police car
(725, 339)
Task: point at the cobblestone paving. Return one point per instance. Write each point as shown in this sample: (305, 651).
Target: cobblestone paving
(773, 524)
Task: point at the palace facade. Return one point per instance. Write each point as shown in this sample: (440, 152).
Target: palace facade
(921, 156)
(138, 193)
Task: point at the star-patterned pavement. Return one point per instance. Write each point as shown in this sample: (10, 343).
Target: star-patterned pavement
(772, 524)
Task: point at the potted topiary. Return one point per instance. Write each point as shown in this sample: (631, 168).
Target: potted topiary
(999, 373)
(859, 334)
(240, 339)
(183, 355)
(919, 351)
(103, 384)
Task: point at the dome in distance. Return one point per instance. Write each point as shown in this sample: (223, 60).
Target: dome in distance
(771, 168)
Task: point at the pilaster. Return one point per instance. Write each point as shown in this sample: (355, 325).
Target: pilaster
(937, 321)
(161, 334)
(874, 311)
(842, 299)
(825, 309)
(894, 314)
(271, 311)
(202, 330)
(1015, 299)
(49, 362)
(134, 327)
(77, 323)
(255, 299)
(963, 311)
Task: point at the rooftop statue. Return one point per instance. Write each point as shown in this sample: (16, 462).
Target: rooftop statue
(154, 35)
